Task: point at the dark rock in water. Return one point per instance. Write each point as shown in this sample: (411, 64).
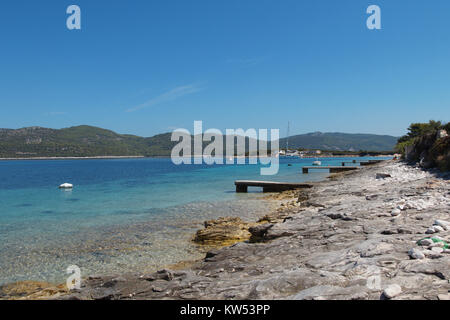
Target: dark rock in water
(383, 176)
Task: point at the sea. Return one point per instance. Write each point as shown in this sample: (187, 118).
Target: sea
(122, 215)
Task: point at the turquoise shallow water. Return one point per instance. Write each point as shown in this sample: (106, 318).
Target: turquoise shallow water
(127, 215)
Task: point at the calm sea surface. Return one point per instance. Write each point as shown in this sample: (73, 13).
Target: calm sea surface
(127, 215)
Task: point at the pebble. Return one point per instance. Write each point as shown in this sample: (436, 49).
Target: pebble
(426, 242)
(443, 224)
(437, 249)
(392, 291)
(416, 254)
(431, 230)
(437, 244)
(431, 254)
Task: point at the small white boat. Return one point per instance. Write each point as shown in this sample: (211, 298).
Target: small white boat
(317, 163)
(66, 186)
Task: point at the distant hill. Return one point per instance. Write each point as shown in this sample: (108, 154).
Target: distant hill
(70, 142)
(82, 141)
(88, 141)
(335, 141)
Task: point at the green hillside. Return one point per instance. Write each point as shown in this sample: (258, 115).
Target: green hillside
(88, 141)
(341, 142)
(69, 142)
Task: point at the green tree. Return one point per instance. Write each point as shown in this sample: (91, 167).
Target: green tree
(420, 129)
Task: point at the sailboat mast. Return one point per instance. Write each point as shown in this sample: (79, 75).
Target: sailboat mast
(287, 138)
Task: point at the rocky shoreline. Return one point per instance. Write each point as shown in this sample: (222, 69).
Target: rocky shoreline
(381, 232)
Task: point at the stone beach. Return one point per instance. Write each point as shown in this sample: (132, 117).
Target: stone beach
(381, 232)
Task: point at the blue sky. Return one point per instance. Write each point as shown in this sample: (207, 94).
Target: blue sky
(146, 67)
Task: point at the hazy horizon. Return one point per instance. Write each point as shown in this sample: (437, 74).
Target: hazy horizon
(169, 131)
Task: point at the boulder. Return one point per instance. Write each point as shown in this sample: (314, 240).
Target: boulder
(392, 291)
(223, 231)
(258, 232)
(441, 223)
(437, 249)
(426, 242)
(32, 290)
(416, 254)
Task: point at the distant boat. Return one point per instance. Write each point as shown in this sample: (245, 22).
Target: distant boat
(66, 186)
(291, 154)
(317, 163)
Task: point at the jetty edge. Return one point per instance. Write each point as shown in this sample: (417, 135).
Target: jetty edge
(270, 186)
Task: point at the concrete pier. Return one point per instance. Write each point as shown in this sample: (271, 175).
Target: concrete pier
(362, 163)
(269, 186)
(332, 169)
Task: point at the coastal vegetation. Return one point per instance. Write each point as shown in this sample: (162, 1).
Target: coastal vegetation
(428, 144)
(89, 141)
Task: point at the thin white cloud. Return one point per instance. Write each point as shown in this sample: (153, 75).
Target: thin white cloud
(55, 113)
(247, 61)
(170, 95)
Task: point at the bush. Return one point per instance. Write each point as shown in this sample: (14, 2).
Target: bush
(424, 147)
(447, 127)
(440, 153)
(420, 129)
